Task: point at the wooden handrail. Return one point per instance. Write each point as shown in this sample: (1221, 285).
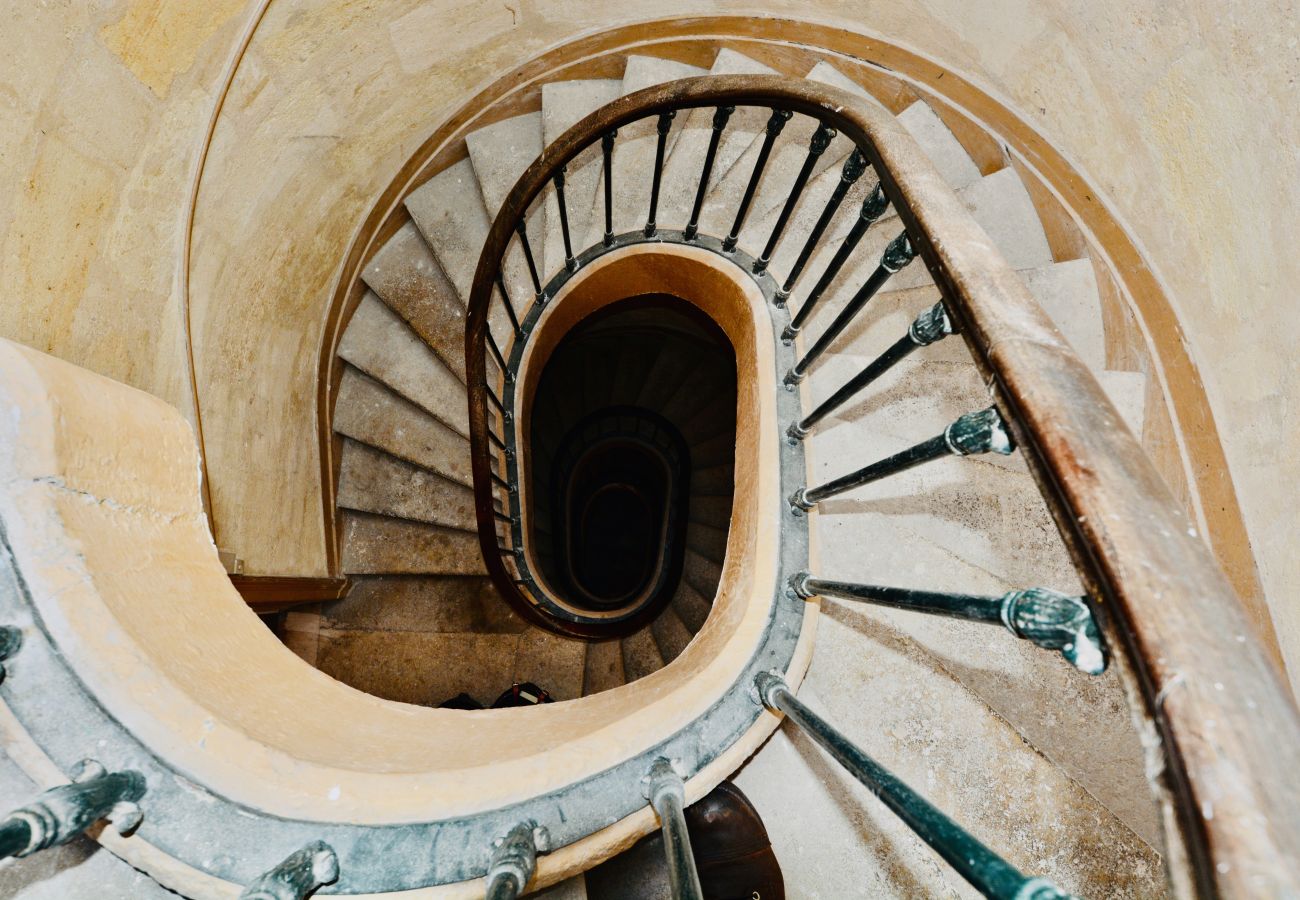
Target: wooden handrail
(1229, 733)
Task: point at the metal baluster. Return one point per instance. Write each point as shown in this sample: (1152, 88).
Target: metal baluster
(521, 228)
(774, 126)
(930, 326)
(665, 123)
(821, 139)
(501, 482)
(500, 407)
(569, 262)
(897, 255)
(514, 860)
(297, 875)
(667, 794)
(502, 517)
(607, 152)
(61, 813)
(976, 432)
(720, 117)
(1052, 620)
(987, 872)
(852, 170)
(493, 439)
(872, 209)
(510, 307)
(496, 353)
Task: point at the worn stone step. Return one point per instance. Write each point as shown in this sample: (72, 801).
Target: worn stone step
(719, 480)
(432, 603)
(641, 655)
(369, 412)
(691, 606)
(671, 636)
(702, 574)
(423, 668)
(554, 663)
(372, 481)
(380, 344)
(380, 545)
(603, 668)
(405, 275)
(706, 540)
(711, 511)
(939, 144)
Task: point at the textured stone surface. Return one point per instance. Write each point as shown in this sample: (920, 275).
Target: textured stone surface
(372, 481)
(702, 574)
(671, 636)
(640, 655)
(378, 545)
(380, 344)
(406, 277)
(938, 143)
(371, 413)
(707, 541)
(553, 663)
(419, 667)
(692, 608)
(450, 213)
(411, 603)
(604, 667)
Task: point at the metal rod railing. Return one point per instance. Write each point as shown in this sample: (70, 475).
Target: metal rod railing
(664, 125)
(607, 157)
(974, 433)
(514, 860)
(667, 794)
(774, 126)
(873, 207)
(720, 117)
(985, 870)
(897, 255)
(522, 230)
(820, 140)
(851, 171)
(930, 326)
(61, 813)
(510, 307)
(570, 262)
(1052, 620)
(297, 875)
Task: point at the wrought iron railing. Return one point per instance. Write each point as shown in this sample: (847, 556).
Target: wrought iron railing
(1199, 669)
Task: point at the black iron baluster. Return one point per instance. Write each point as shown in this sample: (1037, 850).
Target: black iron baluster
(497, 355)
(62, 813)
(667, 794)
(500, 407)
(510, 307)
(607, 152)
(300, 873)
(514, 860)
(872, 209)
(987, 872)
(852, 170)
(665, 123)
(1052, 620)
(821, 139)
(930, 326)
(897, 255)
(976, 432)
(501, 482)
(720, 117)
(521, 229)
(774, 126)
(569, 262)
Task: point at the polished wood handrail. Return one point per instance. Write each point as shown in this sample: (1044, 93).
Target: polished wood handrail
(1229, 733)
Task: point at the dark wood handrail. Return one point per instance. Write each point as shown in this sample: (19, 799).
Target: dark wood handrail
(1229, 733)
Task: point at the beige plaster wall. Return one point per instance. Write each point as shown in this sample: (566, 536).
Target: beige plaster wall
(1181, 114)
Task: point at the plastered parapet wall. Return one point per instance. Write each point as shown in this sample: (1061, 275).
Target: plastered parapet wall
(1181, 115)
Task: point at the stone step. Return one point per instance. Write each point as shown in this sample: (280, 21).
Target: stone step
(603, 667)
(711, 511)
(685, 164)
(500, 153)
(380, 545)
(939, 144)
(405, 275)
(564, 104)
(715, 481)
(691, 607)
(641, 655)
(369, 412)
(381, 345)
(702, 574)
(707, 541)
(671, 636)
(430, 603)
(554, 663)
(372, 481)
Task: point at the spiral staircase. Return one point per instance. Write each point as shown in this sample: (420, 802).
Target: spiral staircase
(449, 415)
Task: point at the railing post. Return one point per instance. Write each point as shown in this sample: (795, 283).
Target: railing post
(987, 872)
(607, 155)
(1052, 620)
(930, 326)
(61, 813)
(513, 862)
(850, 172)
(297, 875)
(974, 433)
(664, 126)
(774, 126)
(720, 117)
(667, 794)
(821, 139)
(570, 262)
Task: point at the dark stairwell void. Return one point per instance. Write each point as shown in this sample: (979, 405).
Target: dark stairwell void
(631, 443)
